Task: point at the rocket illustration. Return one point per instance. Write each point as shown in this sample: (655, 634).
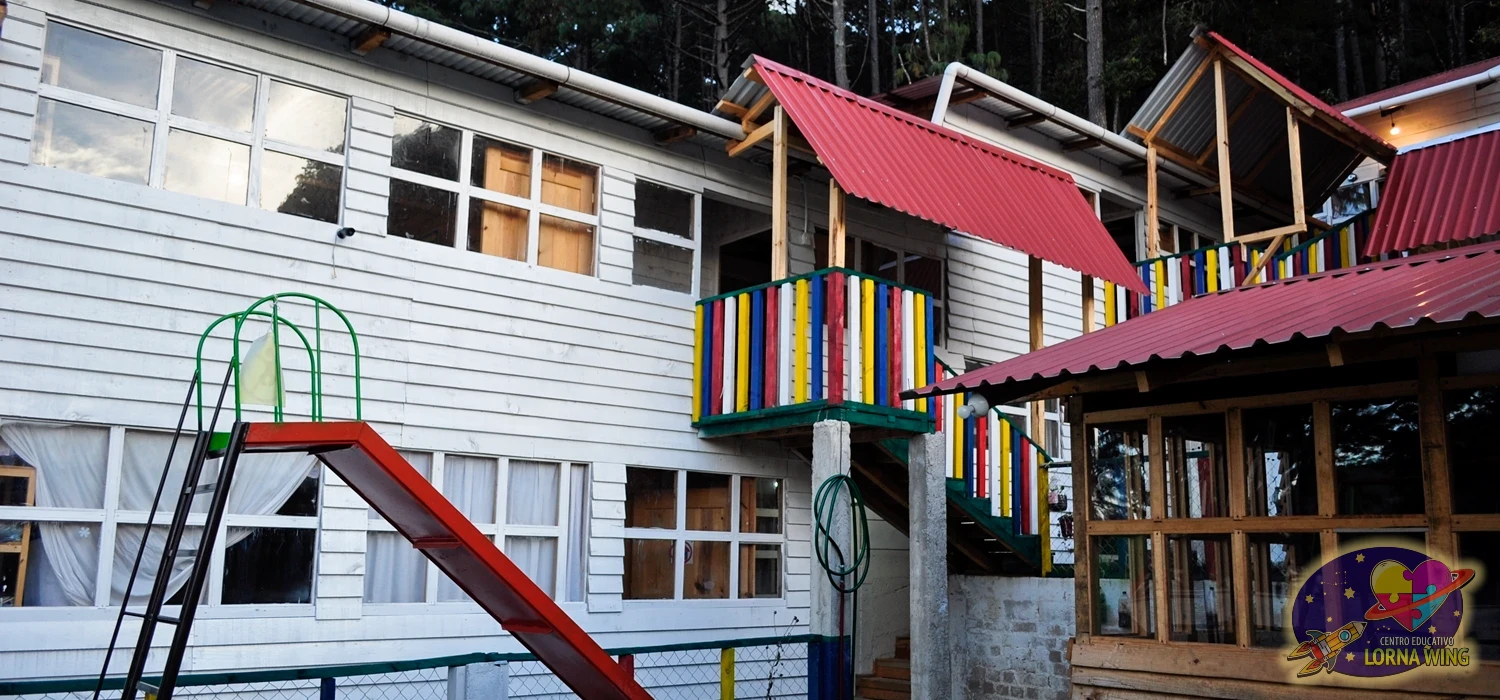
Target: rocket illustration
(1324, 648)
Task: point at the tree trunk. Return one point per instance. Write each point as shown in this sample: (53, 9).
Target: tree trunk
(1341, 64)
(926, 31)
(721, 44)
(1357, 64)
(1095, 21)
(674, 88)
(979, 27)
(1036, 47)
(873, 28)
(840, 46)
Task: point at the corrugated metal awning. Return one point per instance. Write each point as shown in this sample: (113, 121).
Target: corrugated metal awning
(1439, 194)
(909, 164)
(1437, 288)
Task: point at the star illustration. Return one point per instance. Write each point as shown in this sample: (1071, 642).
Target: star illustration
(1359, 557)
(1348, 592)
(1309, 597)
(1349, 656)
(1432, 629)
(1457, 613)
(1330, 619)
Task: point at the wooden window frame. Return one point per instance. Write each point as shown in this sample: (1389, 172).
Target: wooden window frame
(693, 243)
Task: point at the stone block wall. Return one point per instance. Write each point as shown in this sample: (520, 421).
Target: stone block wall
(1010, 637)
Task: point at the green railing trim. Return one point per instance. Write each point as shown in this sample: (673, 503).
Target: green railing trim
(1046, 458)
(1194, 251)
(1335, 228)
(86, 684)
(240, 317)
(810, 275)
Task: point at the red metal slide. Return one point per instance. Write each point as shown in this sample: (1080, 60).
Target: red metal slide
(420, 513)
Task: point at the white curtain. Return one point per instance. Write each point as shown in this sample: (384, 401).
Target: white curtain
(578, 519)
(531, 497)
(70, 463)
(395, 572)
(471, 483)
(537, 557)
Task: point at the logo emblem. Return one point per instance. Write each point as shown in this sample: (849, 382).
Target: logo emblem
(1379, 611)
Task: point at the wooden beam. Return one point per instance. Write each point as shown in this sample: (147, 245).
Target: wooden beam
(1326, 123)
(730, 109)
(1335, 355)
(1221, 140)
(1433, 430)
(674, 133)
(835, 224)
(765, 131)
(1025, 120)
(1271, 233)
(1161, 121)
(1153, 194)
(538, 89)
(1088, 304)
(1083, 577)
(1323, 467)
(1080, 144)
(1234, 116)
(753, 76)
(752, 115)
(1254, 276)
(1280, 523)
(367, 40)
(1294, 154)
(779, 202)
(1142, 382)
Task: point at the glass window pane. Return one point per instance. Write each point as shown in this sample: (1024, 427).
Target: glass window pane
(566, 245)
(424, 147)
(578, 530)
(665, 209)
(1483, 602)
(925, 274)
(61, 561)
(1377, 457)
(80, 452)
(705, 572)
(531, 494)
(207, 167)
(1124, 590)
(304, 117)
(420, 461)
(471, 483)
(300, 187)
(760, 571)
(497, 229)
(395, 572)
(707, 501)
(1197, 471)
(537, 558)
(1279, 563)
(878, 261)
(650, 498)
(422, 213)
(128, 545)
(760, 505)
(649, 569)
(91, 142)
(501, 167)
(1280, 469)
(1472, 458)
(212, 94)
(1200, 592)
(100, 65)
(304, 500)
(569, 184)
(662, 266)
(1119, 471)
(269, 565)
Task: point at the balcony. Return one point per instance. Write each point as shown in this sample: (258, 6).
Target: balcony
(1175, 278)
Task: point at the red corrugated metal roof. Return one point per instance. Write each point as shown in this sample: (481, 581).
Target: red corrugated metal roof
(1441, 287)
(1297, 90)
(1420, 84)
(911, 165)
(1442, 193)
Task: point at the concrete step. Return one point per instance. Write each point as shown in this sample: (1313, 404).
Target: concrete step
(899, 669)
(903, 647)
(873, 688)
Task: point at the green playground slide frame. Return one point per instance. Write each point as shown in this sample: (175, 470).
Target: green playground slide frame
(313, 346)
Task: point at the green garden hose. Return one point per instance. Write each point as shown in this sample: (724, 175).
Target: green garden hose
(856, 566)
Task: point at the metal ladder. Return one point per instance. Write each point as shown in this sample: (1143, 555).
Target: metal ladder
(192, 590)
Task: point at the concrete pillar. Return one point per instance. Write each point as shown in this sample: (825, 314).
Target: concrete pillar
(482, 681)
(829, 657)
(931, 656)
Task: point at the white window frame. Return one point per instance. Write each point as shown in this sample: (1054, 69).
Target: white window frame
(694, 243)
(903, 256)
(497, 531)
(112, 515)
(532, 203)
(163, 121)
(680, 535)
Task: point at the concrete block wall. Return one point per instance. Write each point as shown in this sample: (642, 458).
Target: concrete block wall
(1010, 637)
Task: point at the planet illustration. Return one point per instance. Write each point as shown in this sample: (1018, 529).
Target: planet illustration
(1412, 596)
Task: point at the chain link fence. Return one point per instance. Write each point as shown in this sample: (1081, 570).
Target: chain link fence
(762, 668)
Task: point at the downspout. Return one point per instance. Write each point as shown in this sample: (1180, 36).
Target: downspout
(401, 23)
(1489, 76)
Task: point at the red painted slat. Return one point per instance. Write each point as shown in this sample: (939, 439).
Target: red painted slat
(1439, 194)
(914, 166)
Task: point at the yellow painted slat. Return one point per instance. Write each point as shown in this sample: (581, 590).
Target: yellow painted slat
(1159, 271)
(958, 437)
(1109, 303)
(919, 346)
(726, 674)
(1211, 270)
(742, 358)
(1005, 471)
(800, 327)
(697, 362)
(867, 341)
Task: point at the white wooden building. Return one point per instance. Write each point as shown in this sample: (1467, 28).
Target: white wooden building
(528, 245)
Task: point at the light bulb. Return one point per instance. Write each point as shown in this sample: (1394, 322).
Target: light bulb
(1395, 130)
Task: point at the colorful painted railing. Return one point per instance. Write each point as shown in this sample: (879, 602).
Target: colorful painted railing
(997, 461)
(833, 335)
(1172, 279)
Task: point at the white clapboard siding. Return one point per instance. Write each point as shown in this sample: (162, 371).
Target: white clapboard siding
(988, 307)
(368, 184)
(20, 74)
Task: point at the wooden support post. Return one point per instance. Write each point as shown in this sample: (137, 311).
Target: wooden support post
(1323, 459)
(1037, 426)
(1294, 154)
(835, 224)
(1239, 542)
(1159, 577)
(1221, 137)
(779, 201)
(1158, 495)
(1265, 260)
(1083, 574)
(1153, 217)
(1088, 303)
(1433, 430)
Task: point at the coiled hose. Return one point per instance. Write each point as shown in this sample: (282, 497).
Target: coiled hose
(839, 567)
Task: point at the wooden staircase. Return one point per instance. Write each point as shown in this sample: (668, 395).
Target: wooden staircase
(892, 677)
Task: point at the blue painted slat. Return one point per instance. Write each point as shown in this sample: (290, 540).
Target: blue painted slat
(757, 349)
(815, 384)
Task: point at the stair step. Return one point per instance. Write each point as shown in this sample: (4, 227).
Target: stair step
(893, 668)
(903, 647)
(875, 688)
